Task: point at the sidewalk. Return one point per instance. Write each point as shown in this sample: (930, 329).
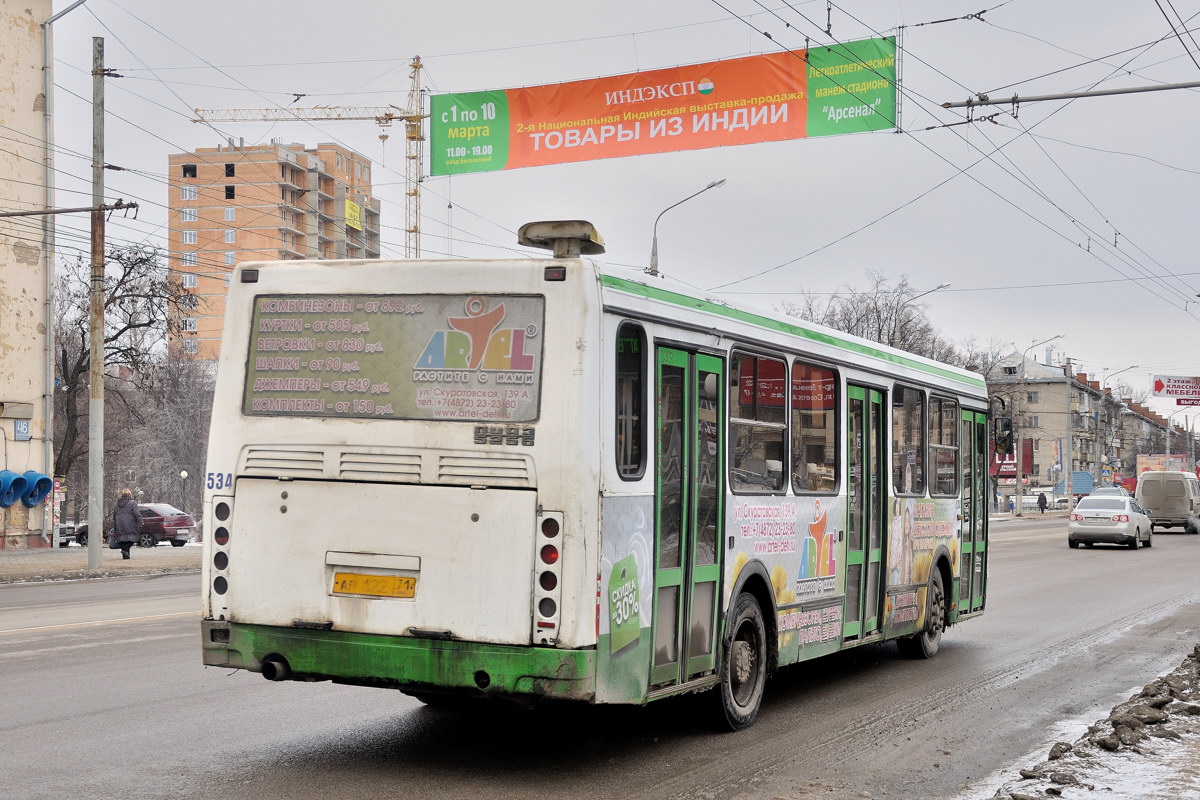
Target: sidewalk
(71, 563)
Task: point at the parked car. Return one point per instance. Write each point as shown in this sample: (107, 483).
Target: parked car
(160, 522)
(1110, 491)
(64, 533)
(1109, 519)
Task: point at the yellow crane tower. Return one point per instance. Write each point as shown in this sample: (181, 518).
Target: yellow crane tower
(414, 138)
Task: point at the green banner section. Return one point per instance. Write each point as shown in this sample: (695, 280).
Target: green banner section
(852, 87)
(469, 132)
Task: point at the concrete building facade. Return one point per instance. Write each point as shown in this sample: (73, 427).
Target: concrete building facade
(241, 202)
(1070, 422)
(26, 376)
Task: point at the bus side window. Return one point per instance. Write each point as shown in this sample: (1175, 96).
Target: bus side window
(814, 428)
(943, 445)
(758, 424)
(630, 401)
(908, 440)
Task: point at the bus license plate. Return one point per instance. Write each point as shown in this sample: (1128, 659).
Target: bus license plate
(374, 585)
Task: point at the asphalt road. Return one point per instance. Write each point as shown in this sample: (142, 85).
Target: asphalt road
(105, 697)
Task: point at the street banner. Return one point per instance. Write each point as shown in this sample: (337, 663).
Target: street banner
(1185, 390)
(845, 88)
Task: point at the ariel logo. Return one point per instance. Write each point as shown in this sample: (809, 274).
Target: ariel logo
(706, 86)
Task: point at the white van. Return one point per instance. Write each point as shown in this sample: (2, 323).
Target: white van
(1171, 498)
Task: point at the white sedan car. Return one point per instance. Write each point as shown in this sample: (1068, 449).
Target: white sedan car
(1109, 519)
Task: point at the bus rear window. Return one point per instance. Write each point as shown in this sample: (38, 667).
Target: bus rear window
(469, 358)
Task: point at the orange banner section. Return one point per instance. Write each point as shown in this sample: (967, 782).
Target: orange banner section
(742, 101)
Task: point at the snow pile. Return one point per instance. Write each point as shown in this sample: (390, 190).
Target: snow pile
(1147, 748)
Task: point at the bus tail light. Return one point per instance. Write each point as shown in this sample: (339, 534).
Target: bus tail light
(547, 583)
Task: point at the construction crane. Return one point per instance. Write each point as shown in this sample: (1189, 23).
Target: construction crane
(383, 116)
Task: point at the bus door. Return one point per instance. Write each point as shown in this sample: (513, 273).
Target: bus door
(688, 516)
(973, 564)
(864, 509)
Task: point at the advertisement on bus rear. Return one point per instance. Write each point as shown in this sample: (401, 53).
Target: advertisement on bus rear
(469, 358)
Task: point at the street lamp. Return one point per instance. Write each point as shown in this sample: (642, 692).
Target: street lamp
(183, 476)
(903, 303)
(653, 270)
(1099, 406)
(1017, 493)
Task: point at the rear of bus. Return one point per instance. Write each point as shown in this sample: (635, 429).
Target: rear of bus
(401, 486)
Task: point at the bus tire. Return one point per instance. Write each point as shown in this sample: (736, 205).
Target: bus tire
(744, 669)
(925, 644)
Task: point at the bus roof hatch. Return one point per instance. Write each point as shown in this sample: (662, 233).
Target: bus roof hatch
(567, 238)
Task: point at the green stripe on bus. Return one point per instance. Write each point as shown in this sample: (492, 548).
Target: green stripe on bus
(675, 298)
(420, 663)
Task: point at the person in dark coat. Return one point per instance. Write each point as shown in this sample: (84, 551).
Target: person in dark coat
(1042, 502)
(127, 522)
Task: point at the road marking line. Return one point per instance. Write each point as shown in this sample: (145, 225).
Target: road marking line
(99, 622)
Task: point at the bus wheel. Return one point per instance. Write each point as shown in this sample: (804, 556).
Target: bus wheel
(744, 673)
(926, 643)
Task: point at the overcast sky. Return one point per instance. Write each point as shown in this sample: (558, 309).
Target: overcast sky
(1066, 217)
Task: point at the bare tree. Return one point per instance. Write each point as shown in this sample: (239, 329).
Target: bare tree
(139, 309)
(882, 313)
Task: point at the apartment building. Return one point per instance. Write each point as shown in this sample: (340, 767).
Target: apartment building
(261, 202)
(1064, 420)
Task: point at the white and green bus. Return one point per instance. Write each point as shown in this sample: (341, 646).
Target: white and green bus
(548, 478)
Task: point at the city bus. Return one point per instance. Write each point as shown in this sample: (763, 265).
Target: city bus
(546, 478)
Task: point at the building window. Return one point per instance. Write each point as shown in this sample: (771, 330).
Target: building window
(187, 192)
(189, 301)
(189, 237)
(1010, 370)
(1031, 422)
(188, 259)
(758, 424)
(230, 214)
(1031, 397)
(189, 281)
(188, 346)
(230, 258)
(229, 170)
(189, 323)
(814, 428)
(187, 215)
(189, 170)
(229, 193)
(908, 440)
(230, 236)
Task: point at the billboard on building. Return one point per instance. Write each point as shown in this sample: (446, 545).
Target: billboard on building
(1185, 390)
(353, 215)
(846, 88)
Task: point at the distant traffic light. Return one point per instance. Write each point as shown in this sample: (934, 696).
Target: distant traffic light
(1004, 436)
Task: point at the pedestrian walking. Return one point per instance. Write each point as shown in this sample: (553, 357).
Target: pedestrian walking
(127, 522)
(1042, 502)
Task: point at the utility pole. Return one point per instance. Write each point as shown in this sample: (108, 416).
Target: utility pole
(96, 318)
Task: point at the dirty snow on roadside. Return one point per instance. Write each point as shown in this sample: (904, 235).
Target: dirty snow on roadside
(1148, 748)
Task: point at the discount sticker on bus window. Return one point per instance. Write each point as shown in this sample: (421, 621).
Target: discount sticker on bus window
(471, 358)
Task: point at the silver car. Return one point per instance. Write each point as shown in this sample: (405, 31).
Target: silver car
(1109, 519)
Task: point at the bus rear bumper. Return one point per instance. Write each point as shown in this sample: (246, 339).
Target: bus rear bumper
(401, 662)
